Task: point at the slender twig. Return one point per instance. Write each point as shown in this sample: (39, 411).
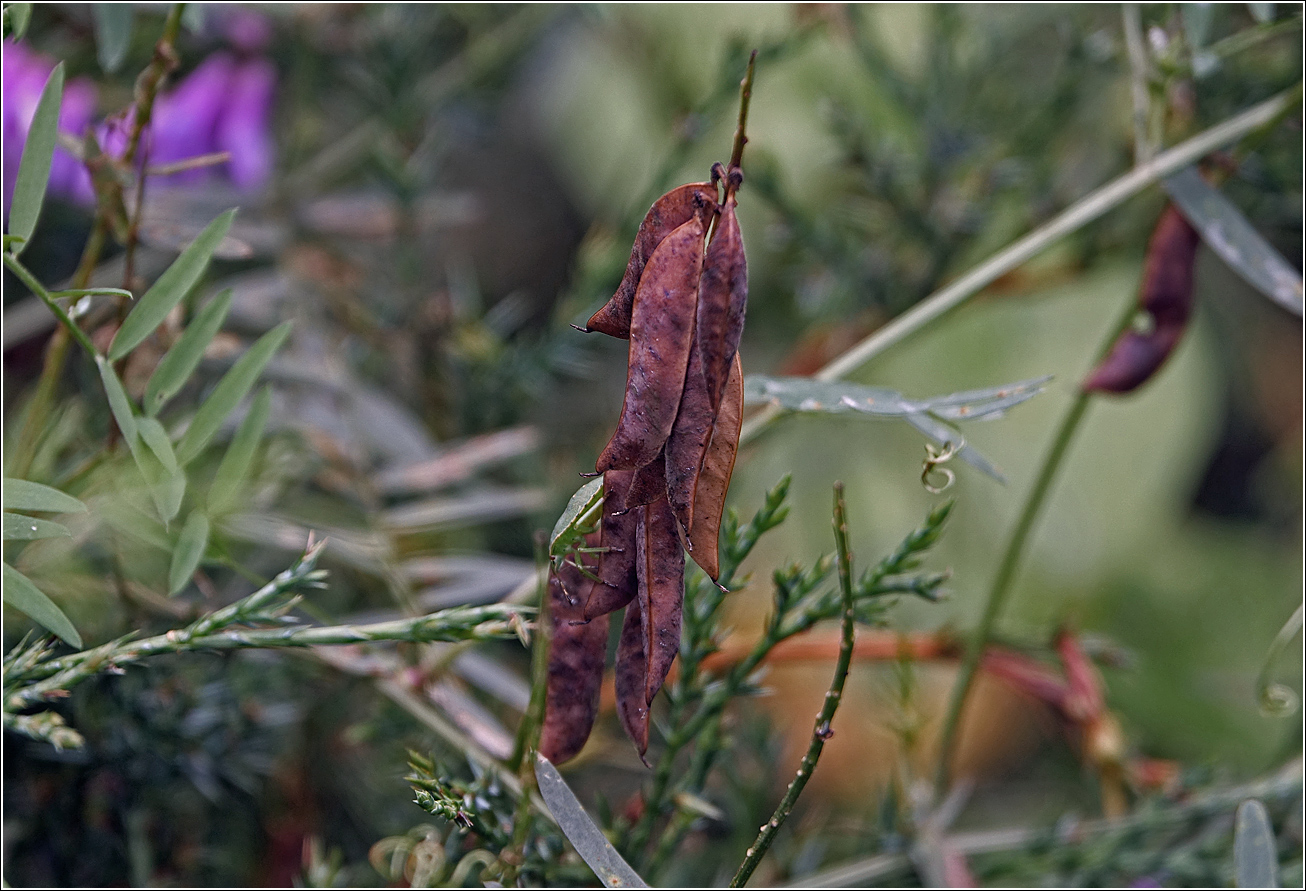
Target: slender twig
(745, 95)
(528, 732)
(821, 732)
(1138, 81)
(73, 329)
(1011, 557)
(1082, 212)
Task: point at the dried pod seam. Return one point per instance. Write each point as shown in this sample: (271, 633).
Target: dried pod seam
(632, 678)
(660, 566)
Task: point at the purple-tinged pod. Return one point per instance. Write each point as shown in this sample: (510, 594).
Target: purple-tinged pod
(616, 585)
(631, 679)
(722, 301)
(667, 214)
(660, 566)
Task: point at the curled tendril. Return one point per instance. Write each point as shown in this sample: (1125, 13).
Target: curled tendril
(935, 457)
(1277, 700)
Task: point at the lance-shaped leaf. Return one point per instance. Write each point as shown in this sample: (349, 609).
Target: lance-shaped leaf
(26, 495)
(1227, 232)
(113, 33)
(186, 556)
(661, 335)
(575, 665)
(167, 482)
(234, 468)
(1255, 853)
(164, 294)
(119, 404)
(20, 528)
(185, 355)
(836, 397)
(667, 214)
(585, 837)
(227, 394)
(23, 595)
(34, 168)
(18, 15)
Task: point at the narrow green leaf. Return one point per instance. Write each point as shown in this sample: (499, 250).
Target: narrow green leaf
(26, 495)
(154, 436)
(34, 168)
(1255, 855)
(228, 393)
(91, 292)
(21, 594)
(588, 840)
(1262, 12)
(176, 280)
(1197, 22)
(180, 362)
(167, 482)
(186, 556)
(1227, 232)
(192, 17)
(18, 15)
(235, 463)
(113, 33)
(582, 509)
(119, 404)
(20, 528)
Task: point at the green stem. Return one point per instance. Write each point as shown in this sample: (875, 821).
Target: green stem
(528, 731)
(745, 95)
(821, 731)
(27, 278)
(1079, 214)
(1001, 585)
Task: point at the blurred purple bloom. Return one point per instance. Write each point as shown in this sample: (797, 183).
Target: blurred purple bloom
(246, 29)
(243, 128)
(25, 73)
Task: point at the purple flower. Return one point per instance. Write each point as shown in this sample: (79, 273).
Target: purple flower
(25, 73)
(243, 126)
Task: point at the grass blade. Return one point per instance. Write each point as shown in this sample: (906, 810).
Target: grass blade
(181, 361)
(585, 837)
(113, 33)
(119, 404)
(34, 168)
(20, 528)
(186, 556)
(176, 280)
(167, 488)
(228, 393)
(23, 595)
(26, 495)
(235, 463)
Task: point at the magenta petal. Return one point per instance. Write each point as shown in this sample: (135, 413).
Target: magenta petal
(186, 118)
(68, 176)
(245, 127)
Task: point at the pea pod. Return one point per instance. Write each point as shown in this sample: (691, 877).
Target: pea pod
(722, 300)
(661, 336)
(668, 213)
(660, 567)
(714, 475)
(632, 676)
(616, 568)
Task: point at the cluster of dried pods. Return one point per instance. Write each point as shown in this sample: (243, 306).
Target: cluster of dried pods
(665, 469)
(1166, 297)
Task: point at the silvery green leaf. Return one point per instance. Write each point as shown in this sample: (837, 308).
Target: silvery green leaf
(184, 356)
(26, 495)
(588, 840)
(24, 596)
(190, 548)
(1255, 855)
(1227, 232)
(20, 528)
(113, 33)
(34, 168)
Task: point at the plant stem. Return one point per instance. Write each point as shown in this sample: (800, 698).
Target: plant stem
(26, 277)
(1082, 212)
(821, 731)
(1011, 557)
(745, 95)
(1138, 82)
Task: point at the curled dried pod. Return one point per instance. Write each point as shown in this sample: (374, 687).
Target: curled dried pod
(1166, 296)
(575, 668)
(661, 334)
(616, 584)
(667, 214)
(632, 678)
(660, 567)
(714, 474)
(722, 301)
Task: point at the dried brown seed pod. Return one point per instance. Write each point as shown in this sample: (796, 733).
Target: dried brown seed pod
(660, 567)
(667, 214)
(632, 678)
(575, 670)
(722, 300)
(714, 475)
(1166, 296)
(688, 442)
(661, 334)
(616, 583)
(649, 484)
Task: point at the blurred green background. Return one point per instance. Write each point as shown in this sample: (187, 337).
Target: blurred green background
(455, 184)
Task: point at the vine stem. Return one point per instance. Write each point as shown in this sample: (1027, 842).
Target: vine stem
(821, 731)
(72, 329)
(1011, 557)
(745, 96)
(1082, 212)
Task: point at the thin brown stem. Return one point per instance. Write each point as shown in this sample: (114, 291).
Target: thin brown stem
(741, 131)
